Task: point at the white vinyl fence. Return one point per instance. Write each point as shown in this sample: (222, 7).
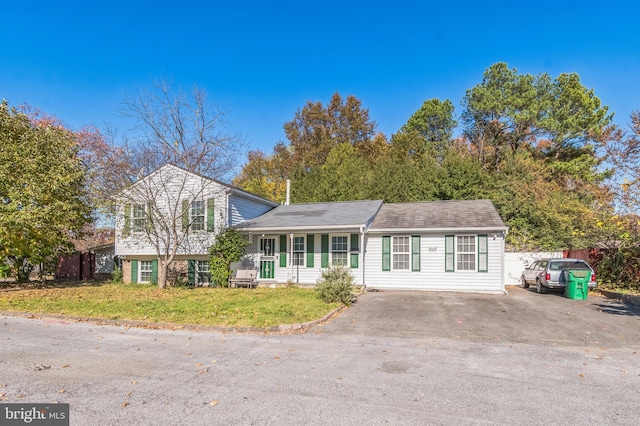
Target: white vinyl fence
(515, 262)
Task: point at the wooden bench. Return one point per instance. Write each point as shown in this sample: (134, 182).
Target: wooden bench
(244, 278)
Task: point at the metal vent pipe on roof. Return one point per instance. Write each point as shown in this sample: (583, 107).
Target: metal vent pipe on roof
(288, 192)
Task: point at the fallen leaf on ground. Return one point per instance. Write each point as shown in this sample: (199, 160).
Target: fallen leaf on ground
(214, 403)
(124, 404)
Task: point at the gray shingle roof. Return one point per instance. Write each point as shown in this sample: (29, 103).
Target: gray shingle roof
(316, 215)
(469, 214)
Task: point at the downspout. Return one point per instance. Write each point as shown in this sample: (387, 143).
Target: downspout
(291, 258)
(502, 243)
(362, 251)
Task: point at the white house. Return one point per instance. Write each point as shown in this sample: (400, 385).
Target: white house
(174, 208)
(438, 245)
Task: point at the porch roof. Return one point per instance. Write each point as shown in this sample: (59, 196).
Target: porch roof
(330, 215)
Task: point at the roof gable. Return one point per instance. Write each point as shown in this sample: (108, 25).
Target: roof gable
(176, 170)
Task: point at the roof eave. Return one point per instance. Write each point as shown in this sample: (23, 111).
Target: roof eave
(438, 230)
(287, 229)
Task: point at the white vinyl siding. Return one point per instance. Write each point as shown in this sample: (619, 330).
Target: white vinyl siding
(432, 274)
(211, 194)
(241, 209)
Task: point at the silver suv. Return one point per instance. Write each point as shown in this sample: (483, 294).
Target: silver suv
(547, 273)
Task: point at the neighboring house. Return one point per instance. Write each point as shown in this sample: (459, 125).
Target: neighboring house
(104, 255)
(173, 207)
(440, 245)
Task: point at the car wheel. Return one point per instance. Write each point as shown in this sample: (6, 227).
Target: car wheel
(540, 288)
(525, 284)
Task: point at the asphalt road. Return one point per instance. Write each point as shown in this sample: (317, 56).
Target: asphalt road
(406, 358)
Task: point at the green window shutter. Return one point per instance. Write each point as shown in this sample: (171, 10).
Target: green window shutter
(415, 253)
(134, 271)
(449, 253)
(324, 257)
(483, 253)
(154, 271)
(185, 215)
(191, 272)
(283, 251)
(310, 250)
(386, 253)
(211, 217)
(355, 240)
(126, 228)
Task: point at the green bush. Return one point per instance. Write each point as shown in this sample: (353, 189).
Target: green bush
(335, 285)
(116, 275)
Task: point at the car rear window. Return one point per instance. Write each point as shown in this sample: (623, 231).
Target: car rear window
(556, 266)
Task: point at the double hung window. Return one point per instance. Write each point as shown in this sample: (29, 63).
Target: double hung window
(298, 251)
(139, 218)
(197, 215)
(145, 271)
(339, 250)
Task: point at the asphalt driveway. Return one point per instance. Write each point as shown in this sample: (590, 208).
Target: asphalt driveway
(407, 358)
(521, 316)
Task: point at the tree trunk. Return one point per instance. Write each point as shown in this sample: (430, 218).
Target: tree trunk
(162, 274)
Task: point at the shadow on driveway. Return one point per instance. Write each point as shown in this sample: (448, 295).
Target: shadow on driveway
(519, 317)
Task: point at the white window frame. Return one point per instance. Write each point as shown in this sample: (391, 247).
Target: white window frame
(198, 215)
(142, 270)
(398, 256)
(138, 217)
(339, 251)
(466, 260)
(298, 255)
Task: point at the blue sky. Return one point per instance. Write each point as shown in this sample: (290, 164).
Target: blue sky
(264, 60)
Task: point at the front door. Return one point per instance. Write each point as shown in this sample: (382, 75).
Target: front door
(267, 258)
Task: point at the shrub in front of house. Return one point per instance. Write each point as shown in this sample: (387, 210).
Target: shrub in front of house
(336, 285)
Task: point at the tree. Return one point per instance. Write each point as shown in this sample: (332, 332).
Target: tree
(559, 119)
(183, 130)
(624, 153)
(317, 129)
(42, 188)
(313, 133)
(434, 122)
(228, 248)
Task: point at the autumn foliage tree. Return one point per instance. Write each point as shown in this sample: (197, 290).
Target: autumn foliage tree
(312, 134)
(44, 203)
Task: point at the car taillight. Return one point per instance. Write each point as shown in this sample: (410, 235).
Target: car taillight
(547, 277)
(593, 277)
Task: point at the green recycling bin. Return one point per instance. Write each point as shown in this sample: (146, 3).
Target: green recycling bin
(577, 284)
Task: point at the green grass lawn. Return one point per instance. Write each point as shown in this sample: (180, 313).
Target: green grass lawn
(261, 307)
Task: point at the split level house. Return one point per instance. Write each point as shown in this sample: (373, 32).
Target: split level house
(436, 245)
